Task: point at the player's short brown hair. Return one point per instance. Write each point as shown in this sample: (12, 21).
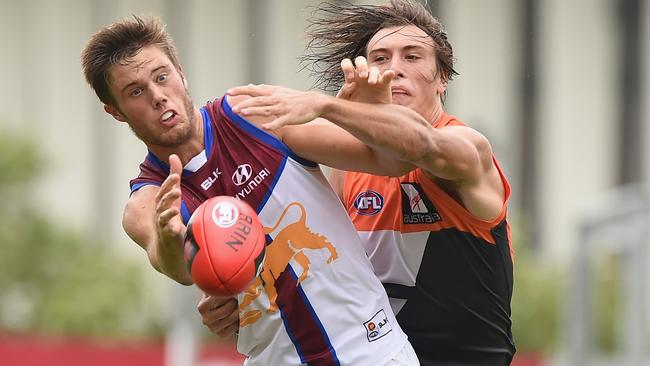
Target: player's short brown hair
(337, 31)
(118, 42)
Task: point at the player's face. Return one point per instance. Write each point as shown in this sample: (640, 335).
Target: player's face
(409, 52)
(151, 97)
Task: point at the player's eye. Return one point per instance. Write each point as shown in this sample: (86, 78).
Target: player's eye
(162, 77)
(136, 91)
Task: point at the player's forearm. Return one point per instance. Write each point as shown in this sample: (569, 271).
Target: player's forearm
(167, 258)
(392, 129)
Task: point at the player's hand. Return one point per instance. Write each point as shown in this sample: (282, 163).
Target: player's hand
(365, 84)
(281, 106)
(169, 223)
(220, 315)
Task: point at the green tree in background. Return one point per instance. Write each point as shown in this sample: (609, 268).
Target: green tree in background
(541, 299)
(536, 301)
(54, 280)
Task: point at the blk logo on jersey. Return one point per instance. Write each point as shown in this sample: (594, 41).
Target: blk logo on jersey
(242, 174)
(378, 326)
(369, 203)
(211, 179)
(416, 206)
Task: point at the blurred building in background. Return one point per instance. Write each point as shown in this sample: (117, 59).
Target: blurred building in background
(561, 89)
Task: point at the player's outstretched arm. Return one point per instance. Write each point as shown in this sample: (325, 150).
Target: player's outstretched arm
(293, 115)
(152, 219)
(457, 153)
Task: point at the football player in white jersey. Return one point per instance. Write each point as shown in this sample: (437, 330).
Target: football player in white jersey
(134, 70)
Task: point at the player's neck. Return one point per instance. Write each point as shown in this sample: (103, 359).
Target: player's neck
(434, 115)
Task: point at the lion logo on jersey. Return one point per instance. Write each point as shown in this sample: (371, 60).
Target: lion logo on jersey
(290, 243)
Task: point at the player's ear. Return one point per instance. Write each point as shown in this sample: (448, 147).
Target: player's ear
(442, 87)
(113, 111)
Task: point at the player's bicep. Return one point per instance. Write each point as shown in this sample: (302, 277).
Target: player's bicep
(458, 153)
(336, 179)
(138, 217)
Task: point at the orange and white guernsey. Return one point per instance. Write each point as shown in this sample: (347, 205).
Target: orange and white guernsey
(316, 301)
(448, 274)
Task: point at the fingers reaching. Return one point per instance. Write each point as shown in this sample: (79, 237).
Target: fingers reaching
(252, 90)
(346, 91)
(386, 77)
(220, 315)
(362, 67)
(364, 83)
(373, 75)
(275, 124)
(175, 165)
(348, 70)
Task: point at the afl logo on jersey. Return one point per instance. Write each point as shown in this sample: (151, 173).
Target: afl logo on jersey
(368, 203)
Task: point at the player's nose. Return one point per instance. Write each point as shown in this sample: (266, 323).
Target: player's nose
(397, 65)
(158, 97)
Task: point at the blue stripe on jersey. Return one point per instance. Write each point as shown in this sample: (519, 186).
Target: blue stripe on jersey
(261, 134)
(137, 186)
(310, 339)
(159, 163)
(208, 135)
(278, 174)
(185, 213)
(162, 165)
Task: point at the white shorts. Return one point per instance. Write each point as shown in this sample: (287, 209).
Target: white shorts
(405, 357)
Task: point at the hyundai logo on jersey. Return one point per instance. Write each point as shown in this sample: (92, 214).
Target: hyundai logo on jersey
(242, 174)
(368, 203)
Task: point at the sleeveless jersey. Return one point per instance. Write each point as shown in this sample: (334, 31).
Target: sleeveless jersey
(317, 300)
(448, 275)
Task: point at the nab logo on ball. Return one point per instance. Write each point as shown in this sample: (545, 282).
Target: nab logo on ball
(369, 203)
(225, 214)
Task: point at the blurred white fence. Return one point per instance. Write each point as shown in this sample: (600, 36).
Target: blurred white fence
(616, 225)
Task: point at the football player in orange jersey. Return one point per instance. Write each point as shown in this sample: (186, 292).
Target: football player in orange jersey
(438, 236)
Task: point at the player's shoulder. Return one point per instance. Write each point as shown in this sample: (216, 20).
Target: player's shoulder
(233, 100)
(142, 195)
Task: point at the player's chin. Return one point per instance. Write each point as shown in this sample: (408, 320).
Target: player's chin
(401, 99)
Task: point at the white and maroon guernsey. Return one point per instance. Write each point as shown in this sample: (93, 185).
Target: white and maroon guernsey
(316, 301)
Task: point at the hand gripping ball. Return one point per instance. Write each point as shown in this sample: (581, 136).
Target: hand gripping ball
(224, 246)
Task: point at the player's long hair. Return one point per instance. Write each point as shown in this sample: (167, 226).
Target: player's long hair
(342, 30)
(116, 43)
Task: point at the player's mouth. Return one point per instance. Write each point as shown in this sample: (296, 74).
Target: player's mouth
(398, 90)
(168, 118)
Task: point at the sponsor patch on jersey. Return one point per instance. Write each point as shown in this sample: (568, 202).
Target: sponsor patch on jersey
(368, 203)
(416, 206)
(378, 326)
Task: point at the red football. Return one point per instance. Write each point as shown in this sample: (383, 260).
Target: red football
(224, 246)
